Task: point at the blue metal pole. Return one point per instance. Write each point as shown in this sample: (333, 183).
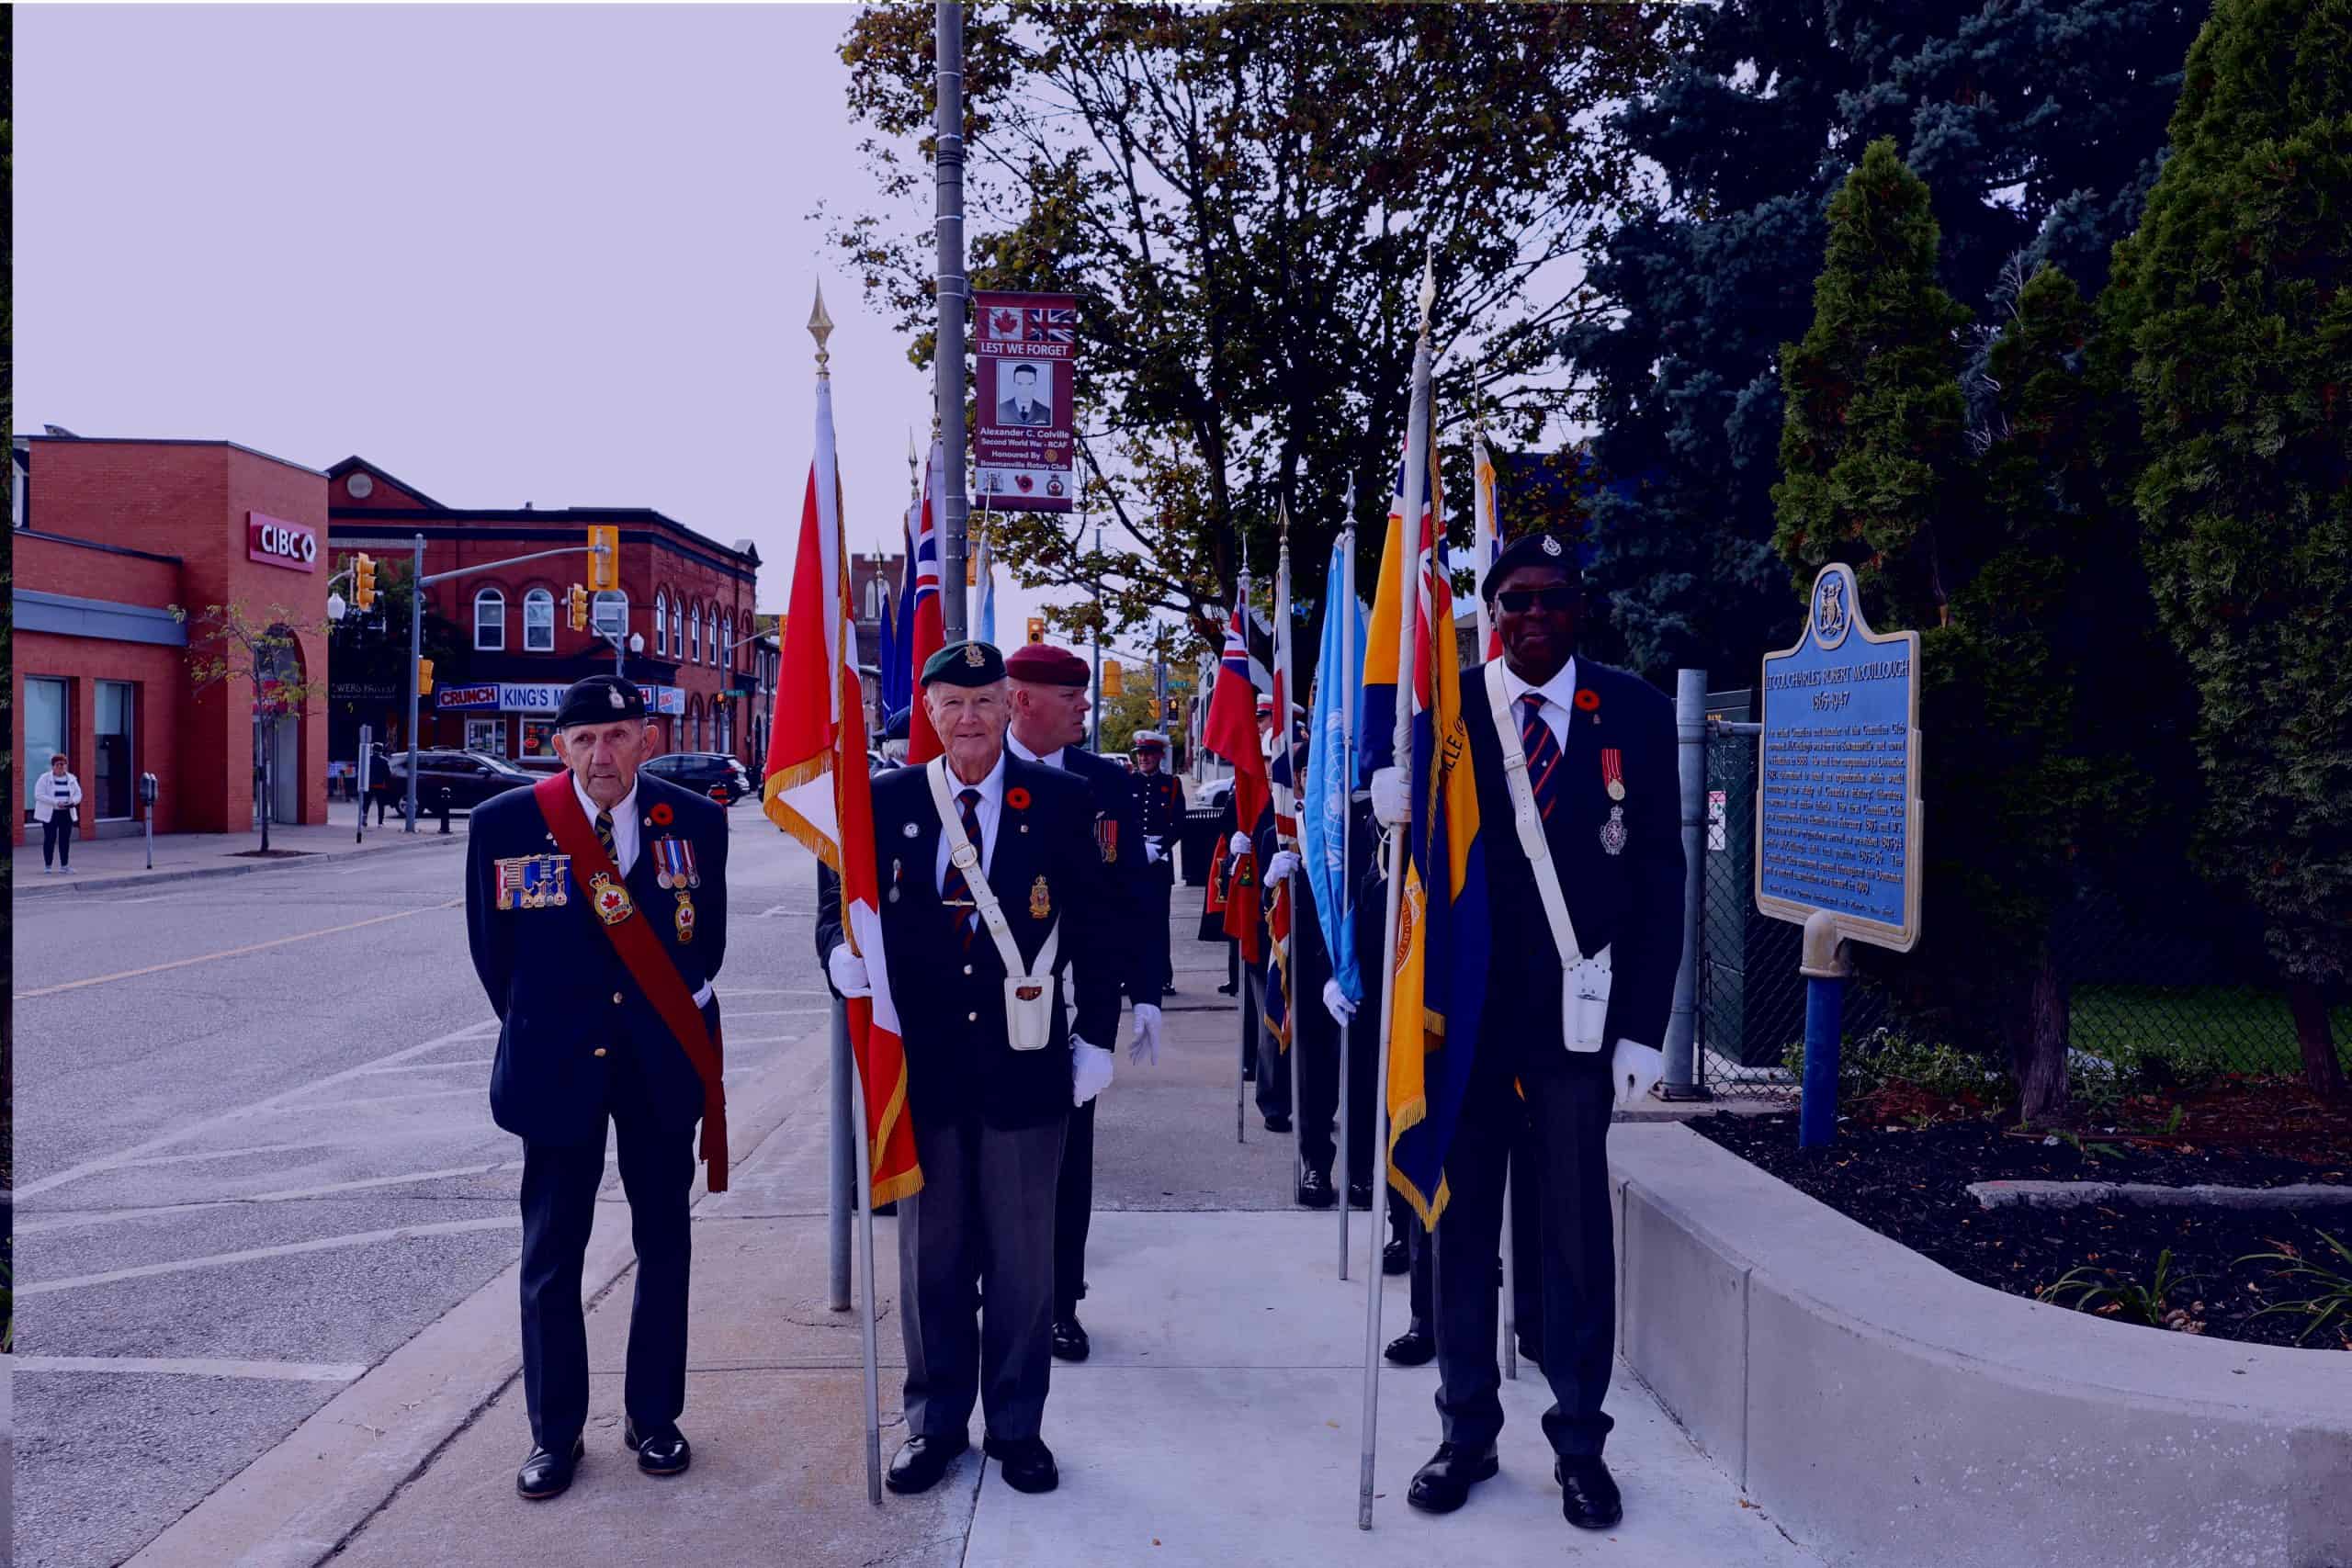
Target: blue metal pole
(1818, 1119)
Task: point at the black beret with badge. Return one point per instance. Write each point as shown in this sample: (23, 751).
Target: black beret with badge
(1546, 548)
(964, 664)
(600, 699)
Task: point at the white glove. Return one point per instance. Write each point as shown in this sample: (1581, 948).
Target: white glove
(1144, 1046)
(1153, 852)
(1335, 1003)
(1635, 1069)
(1389, 802)
(1090, 1070)
(848, 971)
(1239, 844)
(1281, 865)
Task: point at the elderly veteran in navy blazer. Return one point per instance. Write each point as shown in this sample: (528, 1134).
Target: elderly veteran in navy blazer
(597, 907)
(1049, 708)
(1598, 751)
(985, 857)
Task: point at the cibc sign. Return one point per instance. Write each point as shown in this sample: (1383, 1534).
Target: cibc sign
(274, 541)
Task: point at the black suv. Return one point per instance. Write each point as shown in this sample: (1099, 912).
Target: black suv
(465, 779)
(714, 774)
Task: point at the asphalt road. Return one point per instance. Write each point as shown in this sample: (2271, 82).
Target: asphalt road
(255, 1155)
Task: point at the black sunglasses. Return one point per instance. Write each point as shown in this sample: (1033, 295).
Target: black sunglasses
(1518, 600)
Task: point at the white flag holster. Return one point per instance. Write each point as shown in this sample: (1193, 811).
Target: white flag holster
(1028, 994)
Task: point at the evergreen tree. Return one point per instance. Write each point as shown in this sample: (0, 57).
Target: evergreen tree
(2038, 125)
(2231, 297)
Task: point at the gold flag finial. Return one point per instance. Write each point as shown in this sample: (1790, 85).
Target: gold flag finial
(820, 327)
(1282, 522)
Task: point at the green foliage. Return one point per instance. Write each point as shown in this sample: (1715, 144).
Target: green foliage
(1238, 196)
(2330, 1297)
(2231, 297)
(1890, 1060)
(1123, 716)
(2103, 1292)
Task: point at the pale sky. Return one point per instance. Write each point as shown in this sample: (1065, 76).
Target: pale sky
(546, 254)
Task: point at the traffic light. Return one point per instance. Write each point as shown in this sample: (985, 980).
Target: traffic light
(425, 677)
(1113, 679)
(363, 582)
(1036, 628)
(604, 558)
(578, 608)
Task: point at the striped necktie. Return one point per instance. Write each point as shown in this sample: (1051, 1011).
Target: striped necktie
(605, 837)
(957, 892)
(1542, 752)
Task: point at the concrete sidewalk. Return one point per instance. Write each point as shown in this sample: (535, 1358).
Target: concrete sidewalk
(1217, 1421)
(122, 862)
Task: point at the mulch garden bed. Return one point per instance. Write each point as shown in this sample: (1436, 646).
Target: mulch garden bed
(1902, 1169)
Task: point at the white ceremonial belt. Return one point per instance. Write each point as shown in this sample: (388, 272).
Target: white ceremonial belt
(1584, 980)
(1028, 997)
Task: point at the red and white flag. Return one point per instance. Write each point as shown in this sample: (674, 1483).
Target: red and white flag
(818, 790)
(928, 636)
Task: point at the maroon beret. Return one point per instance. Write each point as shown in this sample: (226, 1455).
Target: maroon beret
(1044, 665)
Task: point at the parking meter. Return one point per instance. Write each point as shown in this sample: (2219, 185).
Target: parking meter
(150, 787)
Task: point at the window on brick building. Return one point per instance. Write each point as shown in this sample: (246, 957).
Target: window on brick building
(609, 613)
(490, 621)
(726, 644)
(693, 634)
(661, 624)
(538, 621)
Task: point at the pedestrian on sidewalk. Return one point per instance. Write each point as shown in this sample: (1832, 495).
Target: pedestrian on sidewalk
(57, 801)
(1000, 999)
(380, 781)
(1590, 754)
(1048, 686)
(596, 908)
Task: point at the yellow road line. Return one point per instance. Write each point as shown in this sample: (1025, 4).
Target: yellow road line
(234, 952)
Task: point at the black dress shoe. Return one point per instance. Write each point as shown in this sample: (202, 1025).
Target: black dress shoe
(922, 1462)
(548, 1474)
(1397, 1258)
(1530, 1351)
(1415, 1347)
(665, 1452)
(1314, 1188)
(1070, 1343)
(1027, 1463)
(1228, 990)
(1588, 1498)
(1277, 1123)
(1443, 1484)
(1359, 1194)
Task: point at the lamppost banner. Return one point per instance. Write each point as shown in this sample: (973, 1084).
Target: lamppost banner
(1025, 354)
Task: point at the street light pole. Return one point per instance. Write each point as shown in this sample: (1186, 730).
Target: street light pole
(416, 652)
(1096, 744)
(954, 295)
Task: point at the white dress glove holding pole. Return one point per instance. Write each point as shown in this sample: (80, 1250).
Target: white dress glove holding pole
(847, 970)
(1090, 1070)
(1238, 844)
(1335, 1003)
(1390, 804)
(1284, 863)
(1144, 1046)
(1635, 1070)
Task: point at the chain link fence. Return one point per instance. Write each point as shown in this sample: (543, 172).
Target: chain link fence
(2161, 990)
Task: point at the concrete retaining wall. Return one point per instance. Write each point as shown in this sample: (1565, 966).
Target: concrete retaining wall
(1887, 1411)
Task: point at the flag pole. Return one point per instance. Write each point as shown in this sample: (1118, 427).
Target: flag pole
(1283, 747)
(1344, 595)
(1409, 536)
(1241, 964)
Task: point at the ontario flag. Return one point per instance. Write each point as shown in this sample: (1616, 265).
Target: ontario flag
(1440, 957)
(1283, 781)
(816, 790)
(923, 634)
(1232, 734)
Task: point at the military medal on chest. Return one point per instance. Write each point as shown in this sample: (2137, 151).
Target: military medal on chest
(609, 897)
(673, 861)
(1041, 903)
(1613, 771)
(685, 922)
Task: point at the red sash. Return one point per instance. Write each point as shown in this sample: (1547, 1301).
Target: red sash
(642, 953)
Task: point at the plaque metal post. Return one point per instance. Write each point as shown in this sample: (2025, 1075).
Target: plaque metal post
(1824, 968)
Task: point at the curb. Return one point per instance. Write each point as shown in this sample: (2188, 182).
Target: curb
(296, 1502)
(148, 878)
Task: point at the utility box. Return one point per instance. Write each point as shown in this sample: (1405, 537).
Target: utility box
(1754, 1000)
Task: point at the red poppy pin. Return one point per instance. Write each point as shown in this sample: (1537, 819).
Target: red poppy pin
(1017, 799)
(1588, 700)
(661, 816)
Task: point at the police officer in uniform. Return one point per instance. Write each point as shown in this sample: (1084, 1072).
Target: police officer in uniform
(993, 1069)
(1048, 688)
(1160, 798)
(1599, 746)
(599, 1023)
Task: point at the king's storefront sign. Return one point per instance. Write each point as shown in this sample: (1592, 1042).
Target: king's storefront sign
(537, 697)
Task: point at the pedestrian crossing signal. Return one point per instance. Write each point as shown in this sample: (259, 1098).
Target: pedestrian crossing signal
(425, 677)
(577, 609)
(363, 582)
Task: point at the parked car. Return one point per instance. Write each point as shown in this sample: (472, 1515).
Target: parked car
(465, 779)
(714, 774)
(542, 765)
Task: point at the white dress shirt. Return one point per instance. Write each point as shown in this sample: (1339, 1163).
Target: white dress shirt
(1013, 743)
(1558, 695)
(624, 824)
(991, 811)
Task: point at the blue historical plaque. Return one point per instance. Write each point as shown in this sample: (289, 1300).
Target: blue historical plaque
(1837, 773)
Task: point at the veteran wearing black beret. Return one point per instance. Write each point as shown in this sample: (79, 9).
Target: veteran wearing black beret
(999, 929)
(596, 910)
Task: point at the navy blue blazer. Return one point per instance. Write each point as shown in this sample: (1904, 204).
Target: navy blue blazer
(1630, 902)
(1118, 833)
(566, 1004)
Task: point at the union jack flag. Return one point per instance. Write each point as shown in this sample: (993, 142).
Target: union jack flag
(1055, 325)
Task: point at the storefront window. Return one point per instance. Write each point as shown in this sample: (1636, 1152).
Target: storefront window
(113, 785)
(489, 620)
(538, 621)
(539, 740)
(486, 734)
(44, 729)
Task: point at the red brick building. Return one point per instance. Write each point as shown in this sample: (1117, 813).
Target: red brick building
(688, 598)
(110, 535)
